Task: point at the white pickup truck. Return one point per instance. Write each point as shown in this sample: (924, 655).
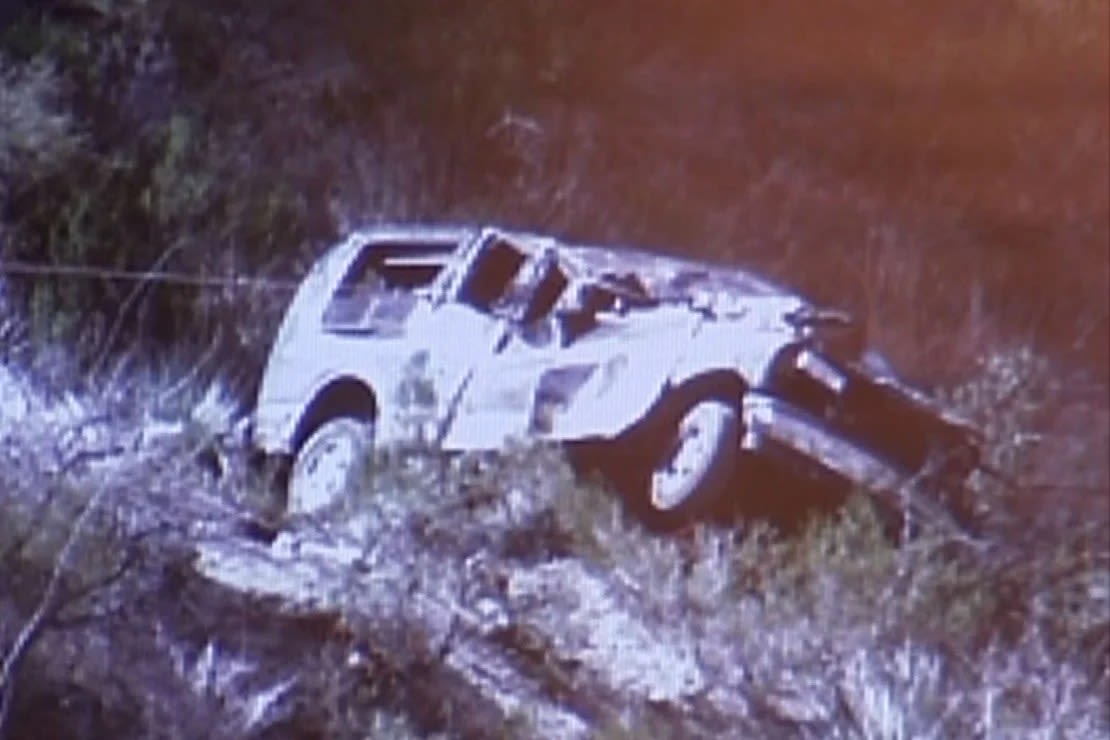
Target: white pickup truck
(676, 372)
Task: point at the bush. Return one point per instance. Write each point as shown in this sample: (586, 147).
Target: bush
(38, 135)
(160, 190)
(158, 135)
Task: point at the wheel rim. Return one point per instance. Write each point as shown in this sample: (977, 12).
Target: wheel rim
(691, 453)
(323, 469)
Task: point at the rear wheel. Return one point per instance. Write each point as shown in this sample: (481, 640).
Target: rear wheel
(328, 464)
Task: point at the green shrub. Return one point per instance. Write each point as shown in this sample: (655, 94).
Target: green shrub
(92, 178)
(38, 135)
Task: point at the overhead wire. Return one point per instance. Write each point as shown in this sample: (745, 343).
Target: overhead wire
(90, 272)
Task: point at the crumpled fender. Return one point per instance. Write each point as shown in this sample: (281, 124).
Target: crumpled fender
(730, 346)
(623, 389)
(743, 336)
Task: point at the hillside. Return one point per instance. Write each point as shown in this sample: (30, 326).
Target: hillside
(144, 595)
(940, 171)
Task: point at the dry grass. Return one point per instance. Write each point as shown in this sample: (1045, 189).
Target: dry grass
(941, 169)
(833, 632)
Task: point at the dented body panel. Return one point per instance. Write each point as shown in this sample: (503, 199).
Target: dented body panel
(466, 338)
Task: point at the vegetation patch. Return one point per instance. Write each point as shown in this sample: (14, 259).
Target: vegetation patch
(946, 165)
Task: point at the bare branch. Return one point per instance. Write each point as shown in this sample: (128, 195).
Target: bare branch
(33, 626)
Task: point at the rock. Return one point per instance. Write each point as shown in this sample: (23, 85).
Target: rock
(554, 645)
(587, 621)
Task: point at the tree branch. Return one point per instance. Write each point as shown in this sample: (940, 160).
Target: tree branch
(33, 626)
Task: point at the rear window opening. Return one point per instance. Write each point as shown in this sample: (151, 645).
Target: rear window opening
(397, 266)
(383, 275)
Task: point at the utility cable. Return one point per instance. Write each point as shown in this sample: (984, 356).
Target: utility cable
(32, 269)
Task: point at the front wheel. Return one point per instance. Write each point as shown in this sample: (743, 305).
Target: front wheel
(694, 460)
(328, 464)
(677, 463)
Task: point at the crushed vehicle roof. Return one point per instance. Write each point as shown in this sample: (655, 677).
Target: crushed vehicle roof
(665, 276)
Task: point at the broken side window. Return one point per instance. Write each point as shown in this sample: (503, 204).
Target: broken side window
(491, 274)
(545, 291)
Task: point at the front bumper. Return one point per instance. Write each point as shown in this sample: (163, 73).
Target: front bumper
(775, 426)
(875, 419)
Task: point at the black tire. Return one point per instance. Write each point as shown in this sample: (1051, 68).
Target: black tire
(679, 463)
